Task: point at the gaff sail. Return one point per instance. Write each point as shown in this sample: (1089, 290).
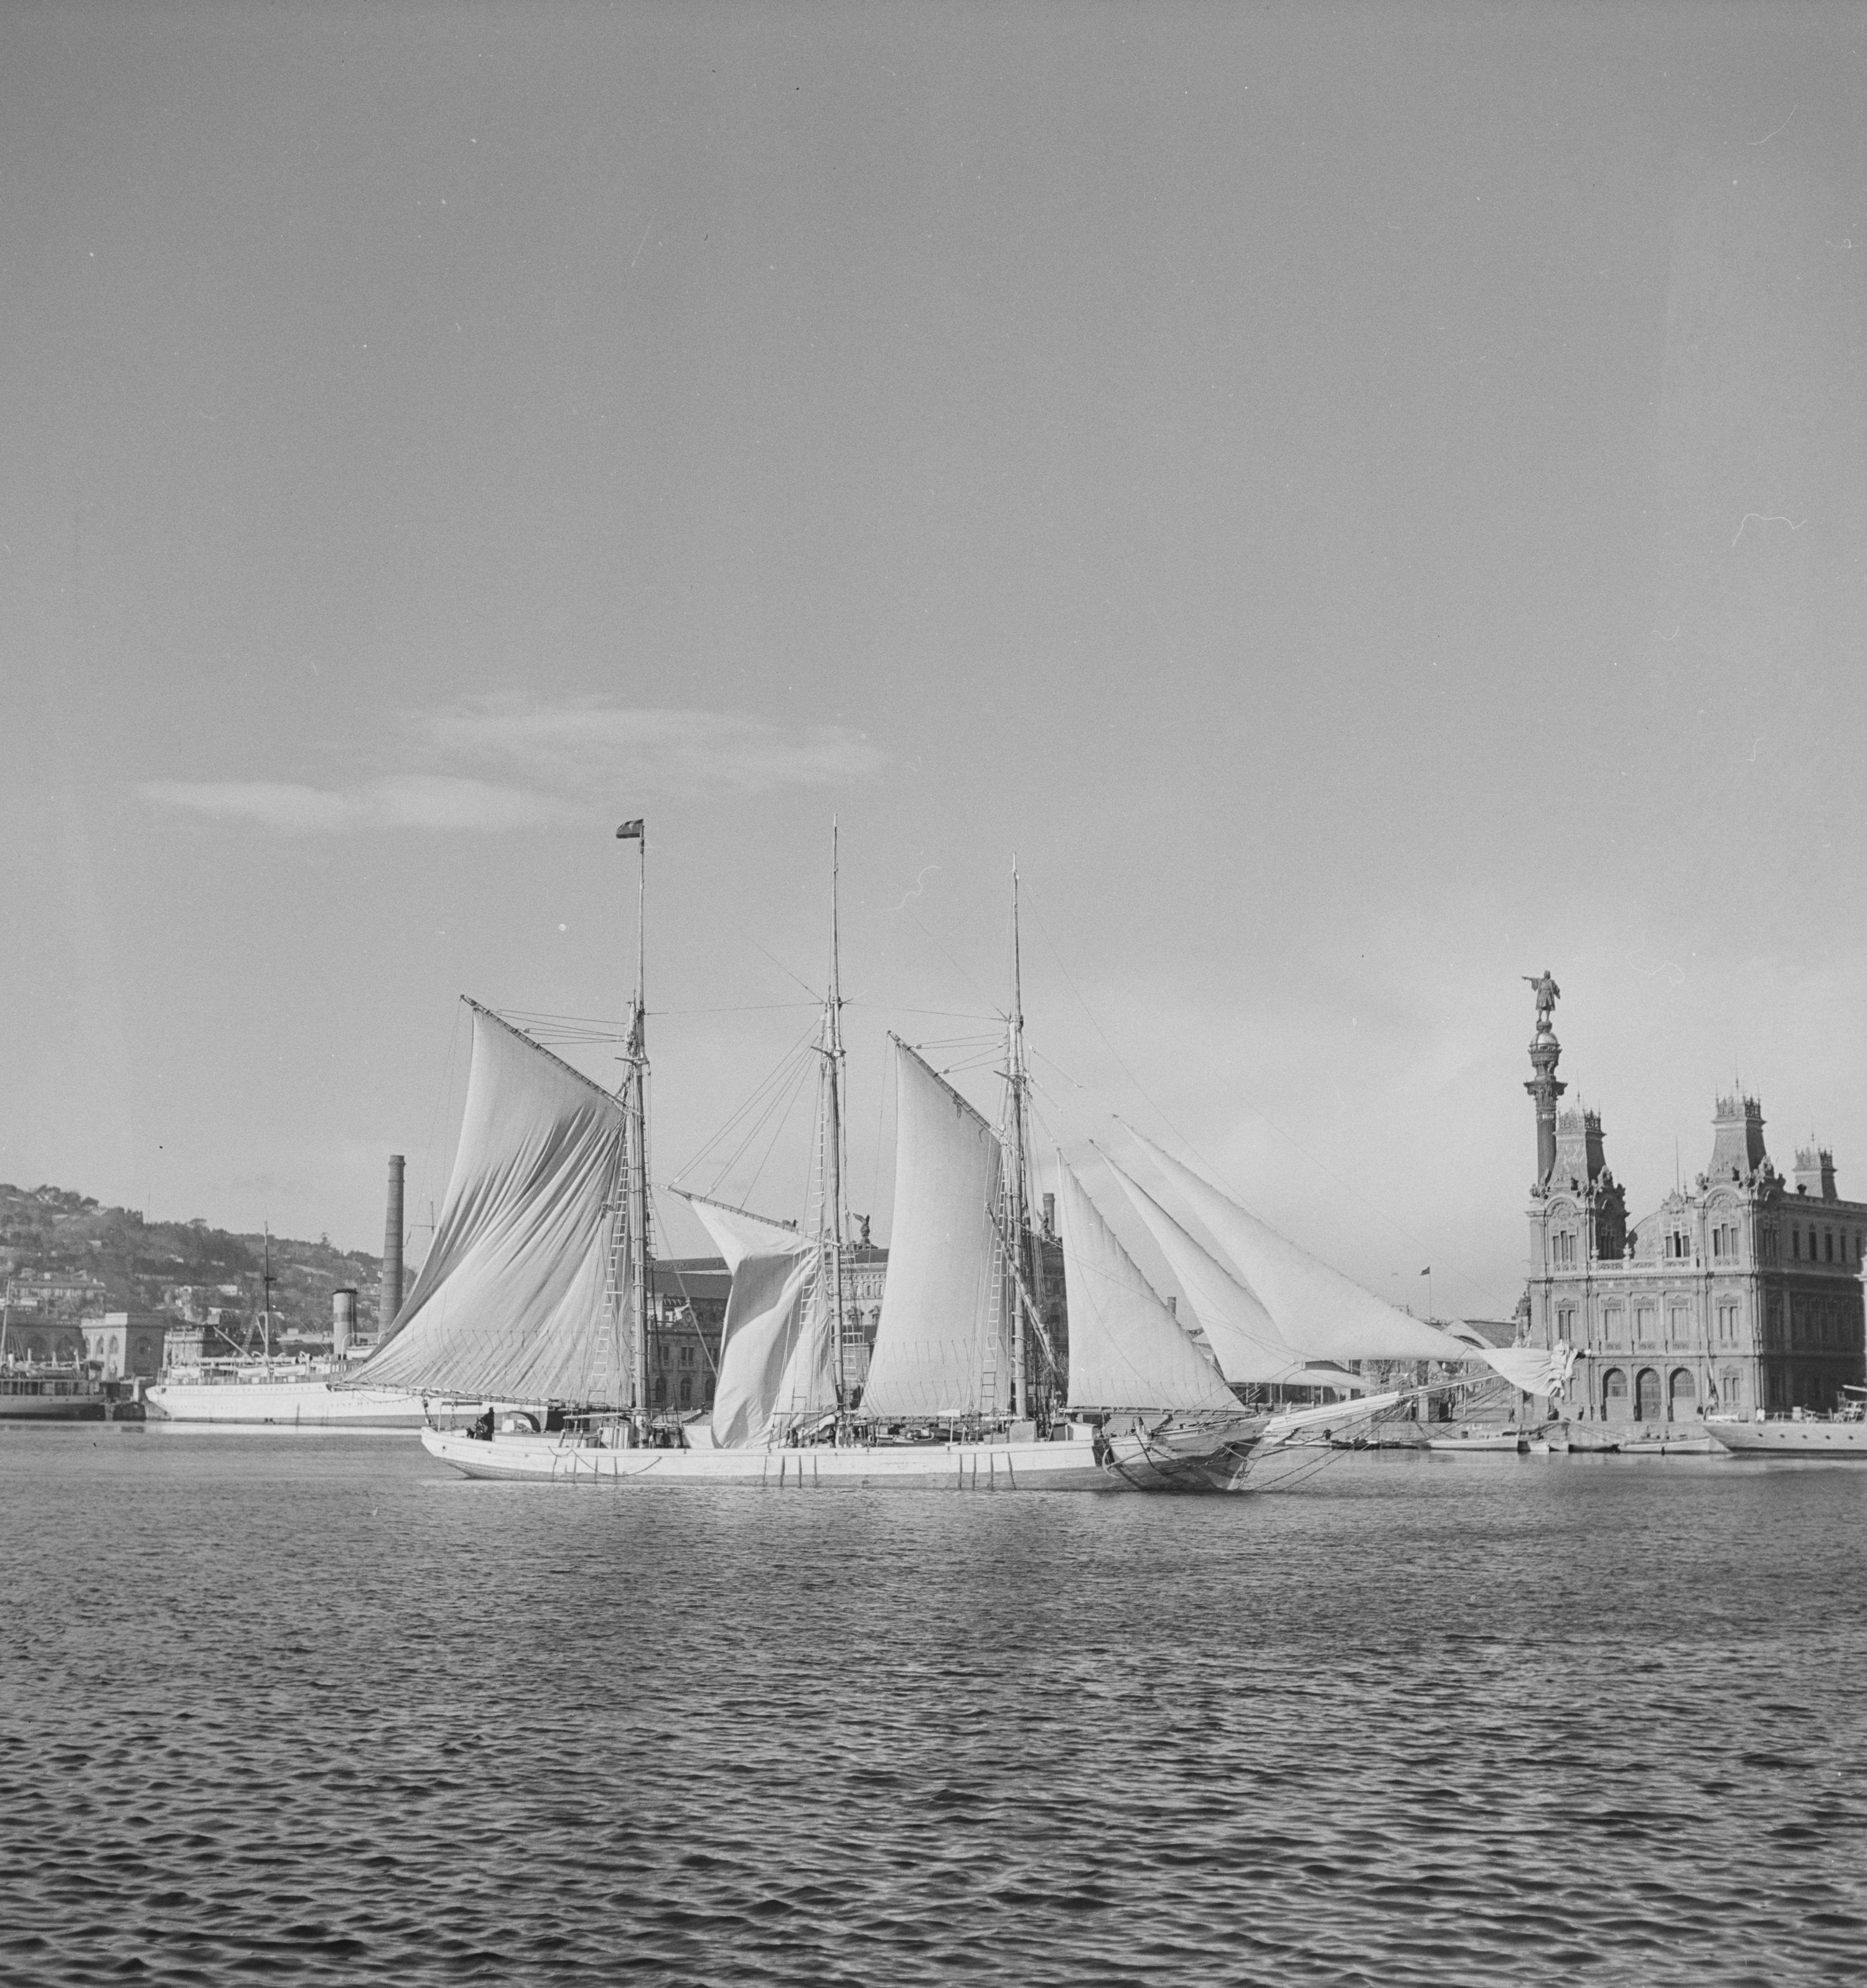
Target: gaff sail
(941, 1346)
(511, 1301)
(775, 1352)
(1127, 1349)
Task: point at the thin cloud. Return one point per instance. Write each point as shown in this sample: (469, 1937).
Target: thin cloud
(557, 757)
(405, 800)
(592, 739)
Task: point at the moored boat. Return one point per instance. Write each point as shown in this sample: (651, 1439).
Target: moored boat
(260, 1395)
(1841, 1435)
(63, 1395)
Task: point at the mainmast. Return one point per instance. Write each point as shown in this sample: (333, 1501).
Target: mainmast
(266, 1281)
(635, 1138)
(1017, 1200)
(829, 1229)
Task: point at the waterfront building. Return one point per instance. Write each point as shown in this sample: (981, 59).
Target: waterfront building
(125, 1345)
(1740, 1294)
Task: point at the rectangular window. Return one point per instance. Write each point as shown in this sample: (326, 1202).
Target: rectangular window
(1643, 1324)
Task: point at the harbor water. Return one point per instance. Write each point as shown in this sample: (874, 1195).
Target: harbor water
(314, 1709)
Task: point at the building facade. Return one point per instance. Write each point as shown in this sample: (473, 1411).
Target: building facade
(125, 1345)
(1740, 1294)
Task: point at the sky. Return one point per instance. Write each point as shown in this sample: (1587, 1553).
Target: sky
(1365, 503)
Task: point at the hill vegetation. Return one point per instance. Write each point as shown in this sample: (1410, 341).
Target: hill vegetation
(110, 1258)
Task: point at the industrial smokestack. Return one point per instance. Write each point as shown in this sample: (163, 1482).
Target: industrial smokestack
(392, 1251)
(343, 1321)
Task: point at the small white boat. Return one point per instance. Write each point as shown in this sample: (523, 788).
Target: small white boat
(1514, 1441)
(1659, 1444)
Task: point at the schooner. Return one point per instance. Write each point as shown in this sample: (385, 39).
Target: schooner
(536, 1294)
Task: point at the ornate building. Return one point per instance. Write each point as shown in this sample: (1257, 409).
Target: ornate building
(1740, 1294)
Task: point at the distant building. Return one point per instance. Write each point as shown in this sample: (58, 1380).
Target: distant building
(865, 1277)
(1740, 1294)
(43, 1342)
(54, 1293)
(687, 1316)
(125, 1345)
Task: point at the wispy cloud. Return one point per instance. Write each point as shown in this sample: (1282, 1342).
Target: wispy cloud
(405, 800)
(511, 763)
(592, 739)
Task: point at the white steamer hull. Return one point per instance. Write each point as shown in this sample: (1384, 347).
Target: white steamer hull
(1128, 1463)
(1793, 1439)
(287, 1404)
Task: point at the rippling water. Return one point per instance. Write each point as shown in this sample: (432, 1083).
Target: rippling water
(314, 1709)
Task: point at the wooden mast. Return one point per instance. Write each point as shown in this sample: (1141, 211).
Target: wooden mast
(1016, 1199)
(635, 1133)
(831, 1218)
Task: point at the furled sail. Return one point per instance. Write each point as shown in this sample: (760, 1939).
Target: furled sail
(940, 1344)
(1535, 1370)
(767, 1355)
(1321, 1313)
(1243, 1337)
(1127, 1350)
(511, 1302)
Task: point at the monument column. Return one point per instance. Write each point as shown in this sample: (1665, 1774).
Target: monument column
(1545, 1087)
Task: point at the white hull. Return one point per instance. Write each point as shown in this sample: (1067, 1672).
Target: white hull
(1808, 1438)
(1186, 1460)
(287, 1403)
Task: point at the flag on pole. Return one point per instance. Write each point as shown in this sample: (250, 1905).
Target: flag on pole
(1426, 1272)
(630, 831)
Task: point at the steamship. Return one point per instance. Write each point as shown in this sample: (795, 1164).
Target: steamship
(261, 1392)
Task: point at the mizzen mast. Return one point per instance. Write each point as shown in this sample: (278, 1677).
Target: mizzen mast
(1017, 1196)
(635, 1142)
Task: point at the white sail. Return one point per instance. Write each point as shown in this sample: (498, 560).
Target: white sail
(511, 1301)
(1321, 1313)
(1127, 1350)
(768, 1320)
(940, 1344)
(1534, 1370)
(1245, 1338)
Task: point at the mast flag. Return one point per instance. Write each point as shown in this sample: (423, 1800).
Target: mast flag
(630, 831)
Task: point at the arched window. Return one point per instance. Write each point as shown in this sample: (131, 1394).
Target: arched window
(1828, 1247)
(1795, 1242)
(1646, 1396)
(1682, 1395)
(687, 1392)
(1614, 1394)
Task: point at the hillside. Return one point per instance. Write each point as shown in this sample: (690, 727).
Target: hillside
(71, 1255)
